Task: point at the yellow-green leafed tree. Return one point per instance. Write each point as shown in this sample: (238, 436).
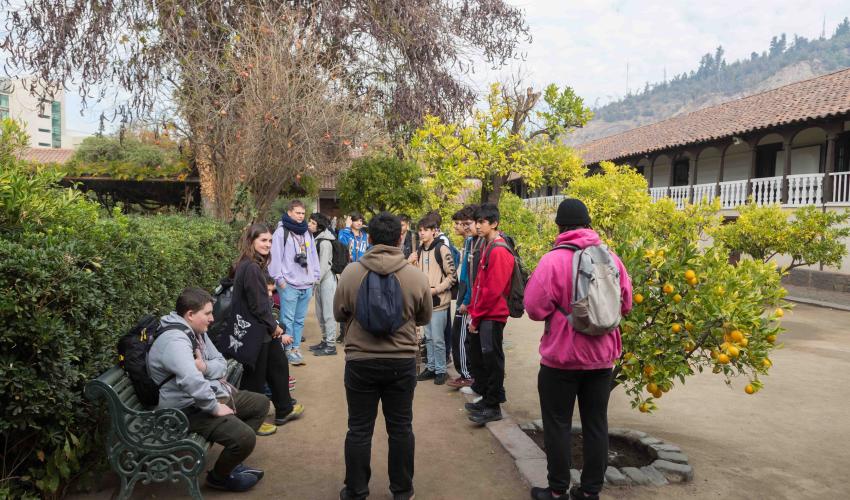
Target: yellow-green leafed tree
(519, 133)
(693, 309)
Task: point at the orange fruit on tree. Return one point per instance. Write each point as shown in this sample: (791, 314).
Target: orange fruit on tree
(766, 363)
(714, 354)
(693, 281)
(651, 387)
(667, 288)
(689, 326)
(733, 351)
(744, 342)
(771, 338)
(723, 359)
(657, 394)
(676, 328)
(644, 408)
(690, 346)
(690, 274)
(638, 298)
(736, 335)
(677, 298)
(648, 370)
(749, 389)
(779, 312)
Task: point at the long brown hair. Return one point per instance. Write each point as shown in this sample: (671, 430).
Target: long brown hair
(246, 247)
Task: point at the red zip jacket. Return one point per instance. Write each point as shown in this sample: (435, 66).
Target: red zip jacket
(492, 285)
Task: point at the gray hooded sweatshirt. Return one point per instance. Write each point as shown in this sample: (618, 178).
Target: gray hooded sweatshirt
(172, 352)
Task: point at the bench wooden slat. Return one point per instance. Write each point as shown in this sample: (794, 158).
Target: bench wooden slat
(122, 384)
(126, 393)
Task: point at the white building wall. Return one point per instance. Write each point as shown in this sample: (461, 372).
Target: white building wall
(707, 169)
(661, 173)
(35, 116)
(737, 165)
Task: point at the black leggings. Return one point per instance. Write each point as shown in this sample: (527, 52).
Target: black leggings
(271, 367)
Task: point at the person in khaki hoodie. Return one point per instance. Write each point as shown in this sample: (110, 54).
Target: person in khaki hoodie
(381, 368)
(435, 260)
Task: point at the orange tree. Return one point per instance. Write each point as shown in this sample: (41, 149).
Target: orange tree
(693, 309)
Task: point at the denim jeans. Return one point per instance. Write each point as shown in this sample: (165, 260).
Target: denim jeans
(558, 390)
(435, 341)
(293, 310)
(392, 382)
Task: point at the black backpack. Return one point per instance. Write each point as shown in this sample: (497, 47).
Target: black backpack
(341, 256)
(222, 324)
(519, 278)
(133, 348)
(380, 306)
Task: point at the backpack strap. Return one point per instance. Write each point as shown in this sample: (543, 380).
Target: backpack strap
(490, 250)
(575, 250)
(437, 255)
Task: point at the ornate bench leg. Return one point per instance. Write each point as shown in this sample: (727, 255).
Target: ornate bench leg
(194, 487)
(126, 490)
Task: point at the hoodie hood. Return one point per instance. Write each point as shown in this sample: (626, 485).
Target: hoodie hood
(383, 259)
(326, 235)
(173, 317)
(581, 238)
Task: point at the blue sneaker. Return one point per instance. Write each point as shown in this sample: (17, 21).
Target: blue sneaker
(237, 482)
(248, 470)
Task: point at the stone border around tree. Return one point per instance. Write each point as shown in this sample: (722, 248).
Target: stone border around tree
(670, 463)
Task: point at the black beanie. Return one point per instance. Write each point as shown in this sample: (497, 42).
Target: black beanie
(572, 212)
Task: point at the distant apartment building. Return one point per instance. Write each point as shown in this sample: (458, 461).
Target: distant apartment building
(44, 120)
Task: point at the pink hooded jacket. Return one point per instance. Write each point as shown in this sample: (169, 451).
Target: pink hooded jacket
(562, 347)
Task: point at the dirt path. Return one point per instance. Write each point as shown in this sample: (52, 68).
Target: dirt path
(304, 459)
(787, 441)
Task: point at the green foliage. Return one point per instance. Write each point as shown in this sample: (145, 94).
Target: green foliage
(13, 140)
(381, 183)
(135, 157)
(689, 299)
(74, 279)
(807, 235)
(501, 141)
(533, 232)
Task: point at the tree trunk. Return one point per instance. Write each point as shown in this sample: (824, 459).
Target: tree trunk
(496, 191)
(206, 176)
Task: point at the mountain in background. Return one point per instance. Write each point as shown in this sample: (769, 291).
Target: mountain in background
(716, 82)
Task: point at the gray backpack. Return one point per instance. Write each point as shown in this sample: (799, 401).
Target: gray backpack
(596, 298)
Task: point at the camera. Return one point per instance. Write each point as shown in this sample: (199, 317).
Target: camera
(301, 259)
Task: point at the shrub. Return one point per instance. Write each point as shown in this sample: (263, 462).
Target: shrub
(73, 279)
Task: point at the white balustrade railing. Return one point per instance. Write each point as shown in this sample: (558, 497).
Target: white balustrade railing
(733, 193)
(805, 189)
(657, 193)
(767, 190)
(840, 187)
(543, 201)
(680, 195)
(704, 193)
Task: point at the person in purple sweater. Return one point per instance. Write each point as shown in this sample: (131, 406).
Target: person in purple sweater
(572, 364)
(295, 268)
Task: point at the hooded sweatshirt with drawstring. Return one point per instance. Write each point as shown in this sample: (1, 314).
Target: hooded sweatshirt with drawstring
(550, 285)
(361, 344)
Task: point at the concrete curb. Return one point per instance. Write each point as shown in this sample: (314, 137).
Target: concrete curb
(670, 463)
(818, 303)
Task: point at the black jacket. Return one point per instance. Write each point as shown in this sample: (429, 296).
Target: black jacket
(252, 316)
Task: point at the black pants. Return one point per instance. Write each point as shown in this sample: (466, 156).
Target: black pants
(390, 381)
(271, 367)
(459, 344)
(487, 362)
(237, 433)
(558, 390)
(447, 334)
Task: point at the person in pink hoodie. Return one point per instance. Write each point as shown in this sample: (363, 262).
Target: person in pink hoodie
(572, 364)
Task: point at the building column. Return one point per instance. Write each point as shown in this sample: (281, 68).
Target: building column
(652, 171)
(673, 161)
(786, 170)
(829, 168)
(752, 173)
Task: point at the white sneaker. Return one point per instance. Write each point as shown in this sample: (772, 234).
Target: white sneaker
(478, 399)
(467, 390)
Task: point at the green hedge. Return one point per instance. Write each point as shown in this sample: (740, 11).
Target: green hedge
(72, 280)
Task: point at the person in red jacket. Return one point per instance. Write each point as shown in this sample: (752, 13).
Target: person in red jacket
(488, 313)
(572, 365)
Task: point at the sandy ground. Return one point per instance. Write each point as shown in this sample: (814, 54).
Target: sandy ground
(790, 440)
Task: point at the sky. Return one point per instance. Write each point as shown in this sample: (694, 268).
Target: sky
(588, 44)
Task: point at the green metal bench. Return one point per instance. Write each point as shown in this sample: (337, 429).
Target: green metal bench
(150, 446)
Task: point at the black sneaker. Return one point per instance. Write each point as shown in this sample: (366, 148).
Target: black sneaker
(410, 495)
(247, 469)
(546, 494)
(426, 375)
(474, 407)
(576, 493)
(440, 379)
(234, 482)
(320, 345)
(486, 415)
(327, 351)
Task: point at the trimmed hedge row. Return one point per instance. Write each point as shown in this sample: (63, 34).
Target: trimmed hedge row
(72, 280)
